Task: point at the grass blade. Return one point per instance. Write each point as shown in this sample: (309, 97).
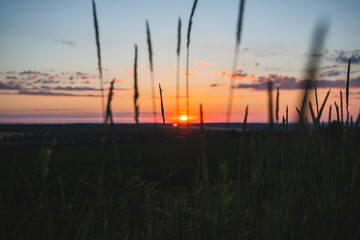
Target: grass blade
(235, 61)
(96, 26)
(337, 112)
(313, 64)
(277, 105)
(151, 71)
(187, 62)
(136, 91)
(162, 106)
(347, 92)
(271, 119)
(317, 103)
(323, 105)
(178, 71)
(341, 105)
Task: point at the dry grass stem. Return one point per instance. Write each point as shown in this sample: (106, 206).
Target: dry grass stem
(152, 81)
(187, 62)
(96, 26)
(235, 61)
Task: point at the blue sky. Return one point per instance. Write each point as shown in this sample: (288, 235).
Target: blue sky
(57, 37)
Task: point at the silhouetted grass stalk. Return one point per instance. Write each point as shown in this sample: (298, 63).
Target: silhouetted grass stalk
(178, 71)
(270, 102)
(96, 26)
(235, 61)
(187, 63)
(136, 91)
(151, 71)
(347, 92)
(277, 105)
(313, 64)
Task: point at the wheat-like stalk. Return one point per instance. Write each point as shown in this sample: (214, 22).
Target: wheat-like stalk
(323, 105)
(341, 106)
(329, 122)
(235, 61)
(337, 112)
(347, 92)
(187, 62)
(277, 105)
(96, 26)
(316, 98)
(178, 71)
(162, 106)
(136, 91)
(151, 71)
(270, 102)
(108, 107)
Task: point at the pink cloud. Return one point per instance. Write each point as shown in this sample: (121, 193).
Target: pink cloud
(202, 64)
(195, 73)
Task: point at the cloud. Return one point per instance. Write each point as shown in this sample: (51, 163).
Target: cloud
(84, 76)
(47, 93)
(222, 74)
(343, 56)
(68, 43)
(11, 85)
(329, 67)
(291, 83)
(256, 64)
(195, 73)
(215, 85)
(12, 77)
(202, 64)
(240, 75)
(29, 72)
(330, 73)
(87, 81)
(129, 71)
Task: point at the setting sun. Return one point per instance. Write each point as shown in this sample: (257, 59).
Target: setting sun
(183, 118)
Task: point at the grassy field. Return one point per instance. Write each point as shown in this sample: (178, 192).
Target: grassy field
(269, 184)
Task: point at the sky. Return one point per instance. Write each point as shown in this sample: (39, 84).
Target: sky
(49, 73)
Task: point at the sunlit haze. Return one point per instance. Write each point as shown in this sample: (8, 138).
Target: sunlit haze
(49, 72)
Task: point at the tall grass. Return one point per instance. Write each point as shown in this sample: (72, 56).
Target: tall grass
(270, 101)
(136, 91)
(235, 61)
(178, 71)
(97, 37)
(162, 106)
(313, 63)
(187, 62)
(347, 92)
(152, 81)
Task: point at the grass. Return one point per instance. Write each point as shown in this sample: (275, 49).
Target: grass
(272, 184)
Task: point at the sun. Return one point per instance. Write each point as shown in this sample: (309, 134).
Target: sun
(183, 118)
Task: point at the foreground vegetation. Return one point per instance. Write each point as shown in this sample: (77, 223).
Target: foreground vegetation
(300, 184)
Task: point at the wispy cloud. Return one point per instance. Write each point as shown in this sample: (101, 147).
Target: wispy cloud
(330, 73)
(216, 85)
(68, 43)
(195, 73)
(202, 64)
(342, 56)
(292, 83)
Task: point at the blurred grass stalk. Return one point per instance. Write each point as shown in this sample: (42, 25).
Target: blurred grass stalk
(152, 81)
(235, 62)
(187, 63)
(97, 37)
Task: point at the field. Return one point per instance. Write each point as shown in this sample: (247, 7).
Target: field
(257, 184)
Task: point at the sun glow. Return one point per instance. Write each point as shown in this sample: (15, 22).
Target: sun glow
(183, 118)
